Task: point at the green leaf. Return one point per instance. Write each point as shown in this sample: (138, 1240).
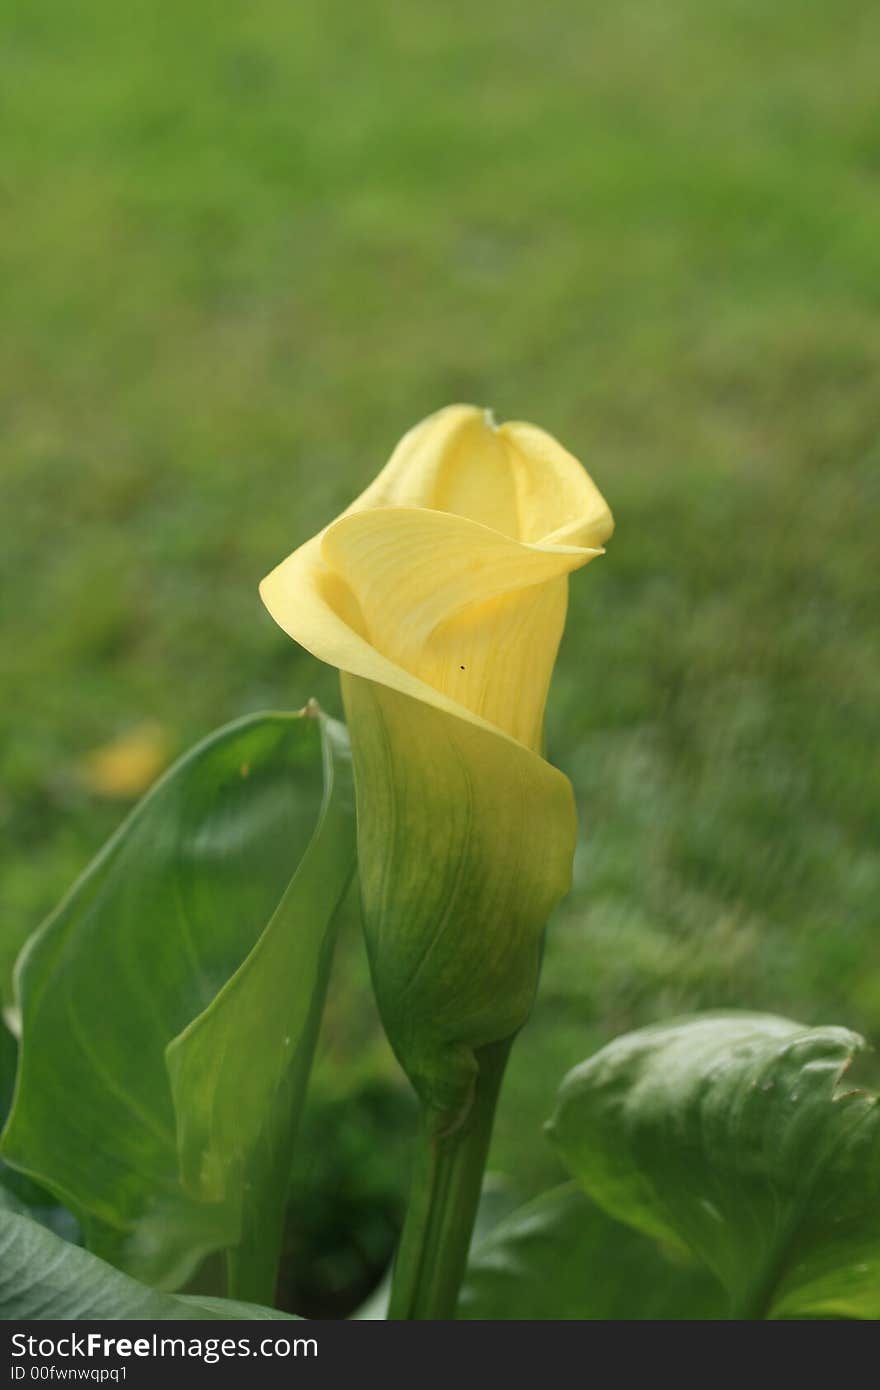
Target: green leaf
(560, 1258)
(10, 1180)
(8, 1059)
(733, 1136)
(16, 1188)
(239, 1071)
(43, 1278)
(193, 891)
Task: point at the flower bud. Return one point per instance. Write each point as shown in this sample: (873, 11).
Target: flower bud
(440, 594)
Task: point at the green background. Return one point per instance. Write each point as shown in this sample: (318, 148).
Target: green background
(244, 248)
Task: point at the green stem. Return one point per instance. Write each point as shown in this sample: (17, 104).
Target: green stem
(446, 1188)
(251, 1274)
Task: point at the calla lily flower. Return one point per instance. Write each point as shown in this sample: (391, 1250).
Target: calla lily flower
(440, 594)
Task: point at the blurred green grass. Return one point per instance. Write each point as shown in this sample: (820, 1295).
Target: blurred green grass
(244, 249)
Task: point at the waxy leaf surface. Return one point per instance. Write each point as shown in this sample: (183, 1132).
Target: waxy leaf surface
(738, 1138)
(209, 914)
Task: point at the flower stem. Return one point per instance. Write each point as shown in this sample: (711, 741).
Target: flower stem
(446, 1187)
(251, 1275)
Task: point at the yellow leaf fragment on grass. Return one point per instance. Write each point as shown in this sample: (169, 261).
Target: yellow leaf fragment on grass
(126, 766)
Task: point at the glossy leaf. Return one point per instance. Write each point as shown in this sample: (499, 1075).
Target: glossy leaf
(197, 879)
(43, 1278)
(560, 1258)
(16, 1189)
(239, 1071)
(8, 1054)
(736, 1137)
(10, 1180)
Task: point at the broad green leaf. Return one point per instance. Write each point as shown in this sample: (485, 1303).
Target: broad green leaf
(197, 879)
(43, 1278)
(8, 1055)
(10, 1180)
(736, 1137)
(239, 1071)
(560, 1258)
(8, 1065)
(16, 1188)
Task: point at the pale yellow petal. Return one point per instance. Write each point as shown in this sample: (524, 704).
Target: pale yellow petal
(410, 597)
(515, 477)
(315, 607)
(412, 569)
(475, 614)
(497, 658)
(452, 462)
(424, 584)
(558, 500)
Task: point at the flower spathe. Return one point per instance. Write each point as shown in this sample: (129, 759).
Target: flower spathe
(445, 579)
(440, 594)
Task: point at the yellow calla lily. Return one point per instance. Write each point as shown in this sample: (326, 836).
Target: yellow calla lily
(440, 594)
